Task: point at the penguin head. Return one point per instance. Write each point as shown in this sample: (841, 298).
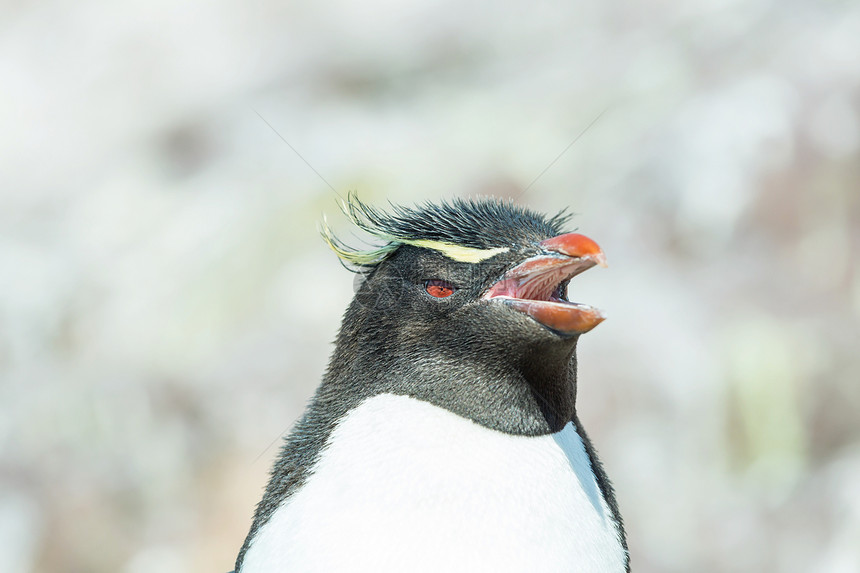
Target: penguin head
(470, 289)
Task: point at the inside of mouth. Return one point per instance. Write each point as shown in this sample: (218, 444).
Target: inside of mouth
(549, 286)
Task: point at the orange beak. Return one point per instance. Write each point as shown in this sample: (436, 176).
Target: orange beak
(534, 287)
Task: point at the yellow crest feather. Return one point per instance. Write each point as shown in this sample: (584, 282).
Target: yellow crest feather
(458, 252)
(366, 218)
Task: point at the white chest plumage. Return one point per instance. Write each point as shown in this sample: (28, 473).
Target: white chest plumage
(403, 485)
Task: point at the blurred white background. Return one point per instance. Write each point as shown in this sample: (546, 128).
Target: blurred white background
(167, 307)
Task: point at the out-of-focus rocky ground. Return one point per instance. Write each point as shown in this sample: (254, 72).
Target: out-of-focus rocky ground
(167, 307)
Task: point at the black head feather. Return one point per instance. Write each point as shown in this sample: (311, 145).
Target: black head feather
(482, 223)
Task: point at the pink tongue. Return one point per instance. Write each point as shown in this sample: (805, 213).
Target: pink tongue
(520, 287)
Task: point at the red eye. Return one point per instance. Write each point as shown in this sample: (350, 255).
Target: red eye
(439, 288)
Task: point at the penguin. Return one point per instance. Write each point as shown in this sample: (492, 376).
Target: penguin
(444, 434)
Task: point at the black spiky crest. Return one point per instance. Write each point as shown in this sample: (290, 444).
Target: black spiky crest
(481, 224)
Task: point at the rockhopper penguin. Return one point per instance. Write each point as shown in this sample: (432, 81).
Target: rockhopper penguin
(444, 435)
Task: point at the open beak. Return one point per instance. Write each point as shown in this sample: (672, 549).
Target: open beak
(536, 286)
